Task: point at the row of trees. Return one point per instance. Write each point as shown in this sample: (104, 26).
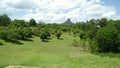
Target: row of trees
(106, 33)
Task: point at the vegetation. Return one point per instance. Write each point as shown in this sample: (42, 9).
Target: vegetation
(96, 36)
(32, 22)
(108, 39)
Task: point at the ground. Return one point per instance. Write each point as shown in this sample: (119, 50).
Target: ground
(53, 54)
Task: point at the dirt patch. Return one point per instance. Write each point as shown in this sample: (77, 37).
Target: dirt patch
(20, 66)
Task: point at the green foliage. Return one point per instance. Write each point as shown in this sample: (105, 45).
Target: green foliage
(24, 32)
(4, 20)
(17, 30)
(32, 22)
(4, 33)
(75, 43)
(36, 31)
(44, 35)
(76, 32)
(14, 34)
(58, 34)
(115, 23)
(93, 46)
(107, 39)
(82, 35)
(18, 23)
(103, 22)
(92, 32)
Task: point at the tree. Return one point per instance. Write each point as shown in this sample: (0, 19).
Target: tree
(82, 35)
(103, 22)
(107, 39)
(32, 22)
(58, 34)
(27, 32)
(3, 34)
(92, 32)
(36, 31)
(24, 32)
(18, 23)
(44, 35)
(4, 20)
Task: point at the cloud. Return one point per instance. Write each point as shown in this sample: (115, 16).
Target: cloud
(57, 10)
(20, 4)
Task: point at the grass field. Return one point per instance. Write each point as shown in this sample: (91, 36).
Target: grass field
(54, 54)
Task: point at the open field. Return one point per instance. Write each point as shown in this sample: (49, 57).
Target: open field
(54, 54)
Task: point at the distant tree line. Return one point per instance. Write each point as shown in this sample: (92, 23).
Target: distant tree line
(105, 32)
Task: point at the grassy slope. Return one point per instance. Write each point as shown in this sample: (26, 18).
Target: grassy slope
(53, 54)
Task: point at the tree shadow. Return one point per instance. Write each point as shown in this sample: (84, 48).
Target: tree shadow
(60, 38)
(1, 44)
(45, 40)
(17, 42)
(110, 55)
(26, 39)
(14, 42)
(49, 38)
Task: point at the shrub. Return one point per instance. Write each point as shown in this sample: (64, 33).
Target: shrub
(107, 39)
(44, 35)
(82, 35)
(58, 34)
(75, 43)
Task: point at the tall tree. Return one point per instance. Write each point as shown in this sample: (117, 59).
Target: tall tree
(107, 39)
(103, 22)
(4, 20)
(32, 22)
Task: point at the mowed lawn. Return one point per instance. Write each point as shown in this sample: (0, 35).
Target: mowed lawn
(54, 54)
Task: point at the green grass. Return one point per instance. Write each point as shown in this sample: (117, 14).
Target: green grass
(54, 54)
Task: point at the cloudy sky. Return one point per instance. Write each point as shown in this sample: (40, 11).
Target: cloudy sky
(57, 11)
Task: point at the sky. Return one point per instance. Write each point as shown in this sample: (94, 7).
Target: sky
(57, 11)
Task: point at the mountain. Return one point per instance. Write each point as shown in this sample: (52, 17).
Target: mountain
(68, 22)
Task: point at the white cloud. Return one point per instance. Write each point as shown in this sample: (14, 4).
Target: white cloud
(57, 10)
(20, 4)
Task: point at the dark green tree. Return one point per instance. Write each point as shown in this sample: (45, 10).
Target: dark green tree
(108, 39)
(58, 34)
(18, 23)
(82, 35)
(103, 22)
(32, 22)
(44, 35)
(4, 20)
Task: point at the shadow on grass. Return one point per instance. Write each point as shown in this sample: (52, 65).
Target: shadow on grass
(111, 55)
(49, 38)
(60, 38)
(1, 43)
(45, 40)
(14, 42)
(26, 39)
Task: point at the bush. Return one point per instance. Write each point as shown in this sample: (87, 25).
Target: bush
(75, 43)
(92, 46)
(44, 35)
(107, 39)
(58, 34)
(82, 35)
